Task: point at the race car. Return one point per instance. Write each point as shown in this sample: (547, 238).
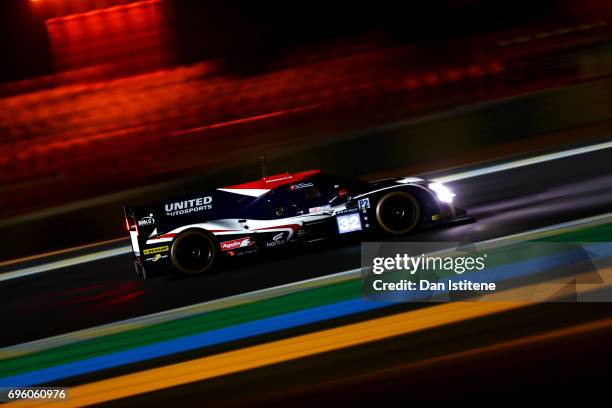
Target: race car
(191, 234)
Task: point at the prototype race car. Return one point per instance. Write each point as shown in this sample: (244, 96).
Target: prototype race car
(192, 233)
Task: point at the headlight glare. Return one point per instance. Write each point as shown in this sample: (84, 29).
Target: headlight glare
(443, 193)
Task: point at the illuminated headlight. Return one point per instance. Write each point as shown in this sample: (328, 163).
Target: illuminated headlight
(443, 193)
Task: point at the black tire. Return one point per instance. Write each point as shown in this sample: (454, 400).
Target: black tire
(398, 212)
(193, 252)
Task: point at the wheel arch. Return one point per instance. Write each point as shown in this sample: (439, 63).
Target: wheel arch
(426, 204)
(214, 243)
(429, 203)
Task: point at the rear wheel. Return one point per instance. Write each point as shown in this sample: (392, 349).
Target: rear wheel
(398, 212)
(193, 252)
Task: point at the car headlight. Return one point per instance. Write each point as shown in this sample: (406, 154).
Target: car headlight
(443, 193)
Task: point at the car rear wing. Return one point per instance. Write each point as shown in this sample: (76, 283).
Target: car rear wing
(140, 223)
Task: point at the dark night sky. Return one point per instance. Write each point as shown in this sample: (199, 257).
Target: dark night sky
(248, 30)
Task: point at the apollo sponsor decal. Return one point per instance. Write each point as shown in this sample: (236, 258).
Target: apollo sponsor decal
(237, 243)
(189, 206)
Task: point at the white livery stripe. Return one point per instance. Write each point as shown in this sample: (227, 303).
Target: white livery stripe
(252, 192)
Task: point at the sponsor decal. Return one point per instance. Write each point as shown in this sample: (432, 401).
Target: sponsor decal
(146, 221)
(247, 252)
(300, 186)
(189, 206)
(237, 243)
(156, 258)
(278, 239)
(364, 203)
(156, 250)
(319, 209)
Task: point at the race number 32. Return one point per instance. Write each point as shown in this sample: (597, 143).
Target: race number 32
(349, 223)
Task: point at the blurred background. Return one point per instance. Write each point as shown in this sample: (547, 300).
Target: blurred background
(106, 102)
(111, 101)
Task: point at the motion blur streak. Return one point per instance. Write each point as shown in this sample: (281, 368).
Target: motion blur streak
(64, 263)
(507, 345)
(523, 162)
(242, 120)
(191, 342)
(85, 359)
(59, 252)
(175, 314)
(277, 352)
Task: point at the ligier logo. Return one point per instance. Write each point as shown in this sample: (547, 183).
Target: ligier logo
(237, 243)
(189, 206)
(146, 221)
(278, 239)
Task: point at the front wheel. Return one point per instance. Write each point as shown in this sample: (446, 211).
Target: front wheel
(193, 252)
(398, 212)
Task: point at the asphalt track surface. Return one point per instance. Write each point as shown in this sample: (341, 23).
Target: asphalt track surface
(547, 352)
(105, 291)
